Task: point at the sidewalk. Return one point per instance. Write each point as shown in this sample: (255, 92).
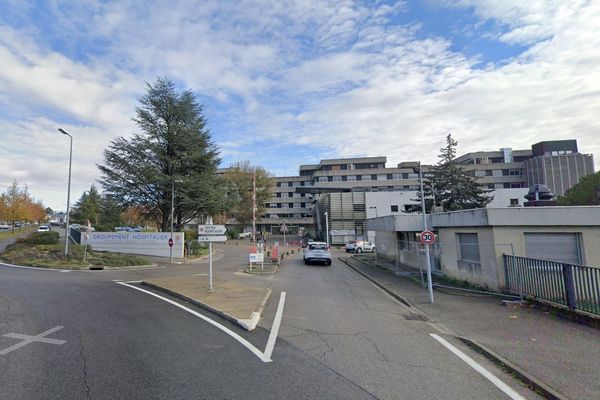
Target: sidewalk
(232, 300)
(562, 354)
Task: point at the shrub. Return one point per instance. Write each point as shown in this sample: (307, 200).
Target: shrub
(39, 238)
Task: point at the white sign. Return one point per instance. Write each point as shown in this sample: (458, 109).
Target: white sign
(211, 229)
(257, 257)
(217, 238)
(145, 243)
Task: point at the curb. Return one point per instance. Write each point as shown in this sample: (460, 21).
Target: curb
(379, 285)
(258, 272)
(247, 324)
(129, 267)
(535, 384)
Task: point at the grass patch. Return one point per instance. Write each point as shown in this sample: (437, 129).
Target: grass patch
(9, 233)
(196, 250)
(43, 250)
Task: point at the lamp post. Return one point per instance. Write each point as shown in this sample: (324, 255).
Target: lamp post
(67, 233)
(327, 228)
(172, 212)
(424, 213)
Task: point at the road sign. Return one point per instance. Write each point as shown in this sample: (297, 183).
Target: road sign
(257, 257)
(170, 242)
(212, 229)
(427, 237)
(212, 238)
(284, 228)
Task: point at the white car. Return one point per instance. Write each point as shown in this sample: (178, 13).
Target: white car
(43, 228)
(317, 252)
(360, 246)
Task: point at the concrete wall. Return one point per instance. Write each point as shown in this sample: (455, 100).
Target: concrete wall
(485, 273)
(385, 243)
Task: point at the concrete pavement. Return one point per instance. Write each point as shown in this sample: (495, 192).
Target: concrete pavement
(560, 353)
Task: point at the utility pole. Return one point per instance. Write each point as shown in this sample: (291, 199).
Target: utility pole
(424, 213)
(67, 231)
(254, 208)
(327, 228)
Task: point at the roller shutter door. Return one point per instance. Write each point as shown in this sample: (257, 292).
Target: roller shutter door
(559, 247)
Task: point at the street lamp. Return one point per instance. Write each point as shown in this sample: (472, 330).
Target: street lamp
(424, 214)
(172, 212)
(67, 233)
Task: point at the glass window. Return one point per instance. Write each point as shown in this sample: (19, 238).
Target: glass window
(468, 244)
(337, 178)
(366, 177)
(488, 172)
(373, 177)
(394, 208)
(278, 194)
(290, 194)
(351, 178)
(389, 176)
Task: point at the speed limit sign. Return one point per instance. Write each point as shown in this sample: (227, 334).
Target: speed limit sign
(427, 237)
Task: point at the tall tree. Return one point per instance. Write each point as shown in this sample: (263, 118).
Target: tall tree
(585, 193)
(88, 207)
(240, 190)
(452, 187)
(174, 145)
(16, 204)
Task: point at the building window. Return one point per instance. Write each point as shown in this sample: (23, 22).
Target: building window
(468, 246)
(322, 179)
(337, 178)
(516, 185)
(366, 177)
(344, 166)
(290, 194)
(373, 177)
(278, 184)
(351, 178)
(278, 205)
(291, 205)
(302, 205)
(405, 175)
(389, 177)
(514, 202)
(394, 208)
(359, 177)
(278, 194)
(488, 172)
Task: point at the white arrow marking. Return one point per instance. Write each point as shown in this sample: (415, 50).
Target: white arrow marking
(263, 356)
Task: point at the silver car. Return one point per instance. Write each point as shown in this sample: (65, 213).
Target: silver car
(317, 252)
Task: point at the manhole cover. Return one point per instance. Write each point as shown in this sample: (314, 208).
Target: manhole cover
(415, 317)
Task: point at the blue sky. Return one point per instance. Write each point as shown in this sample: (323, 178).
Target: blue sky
(285, 83)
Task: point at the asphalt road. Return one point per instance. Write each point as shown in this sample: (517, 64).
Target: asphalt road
(340, 338)
(123, 344)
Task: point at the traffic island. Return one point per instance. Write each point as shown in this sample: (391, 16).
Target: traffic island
(266, 269)
(234, 301)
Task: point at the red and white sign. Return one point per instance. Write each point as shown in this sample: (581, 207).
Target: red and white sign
(170, 242)
(427, 237)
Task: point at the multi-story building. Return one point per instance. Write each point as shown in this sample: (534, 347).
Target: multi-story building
(287, 207)
(556, 164)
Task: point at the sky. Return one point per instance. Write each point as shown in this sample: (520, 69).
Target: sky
(285, 83)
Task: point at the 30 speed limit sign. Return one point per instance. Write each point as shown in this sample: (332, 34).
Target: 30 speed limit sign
(427, 237)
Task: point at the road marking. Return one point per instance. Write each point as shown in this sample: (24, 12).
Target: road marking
(262, 356)
(275, 327)
(37, 268)
(26, 339)
(477, 367)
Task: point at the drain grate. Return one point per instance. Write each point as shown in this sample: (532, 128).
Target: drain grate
(415, 317)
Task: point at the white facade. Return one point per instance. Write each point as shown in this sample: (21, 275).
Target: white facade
(382, 204)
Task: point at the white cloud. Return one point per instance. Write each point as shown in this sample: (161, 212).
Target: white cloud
(335, 76)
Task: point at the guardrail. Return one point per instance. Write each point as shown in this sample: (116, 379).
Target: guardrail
(574, 286)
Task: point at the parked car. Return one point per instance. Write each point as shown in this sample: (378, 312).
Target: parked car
(4, 227)
(244, 235)
(43, 228)
(360, 246)
(317, 252)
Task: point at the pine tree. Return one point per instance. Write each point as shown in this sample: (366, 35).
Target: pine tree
(454, 187)
(174, 145)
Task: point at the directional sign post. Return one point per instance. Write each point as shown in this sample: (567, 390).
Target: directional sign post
(209, 234)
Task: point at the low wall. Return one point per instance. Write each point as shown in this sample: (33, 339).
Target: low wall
(145, 243)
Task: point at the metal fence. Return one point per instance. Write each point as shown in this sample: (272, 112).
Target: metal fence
(574, 286)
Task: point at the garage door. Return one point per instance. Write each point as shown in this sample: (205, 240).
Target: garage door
(559, 247)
